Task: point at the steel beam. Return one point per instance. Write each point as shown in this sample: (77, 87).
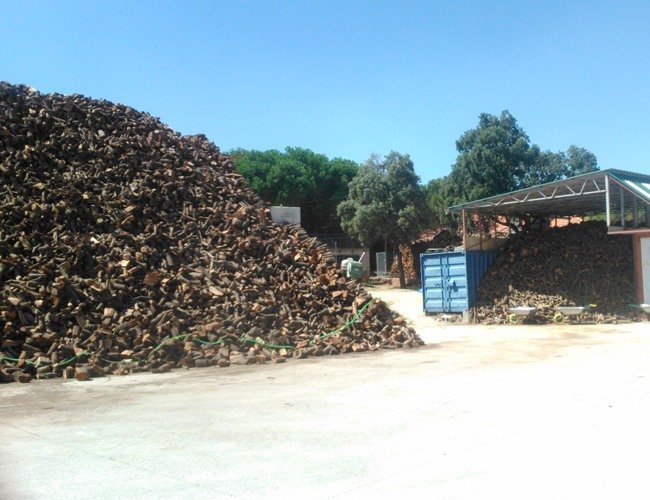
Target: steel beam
(607, 204)
(622, 208)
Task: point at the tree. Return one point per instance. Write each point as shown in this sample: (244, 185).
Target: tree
(493, 158)
(497, 157)
(299, 177)
(437, 201)
(385, 201)
(580, 161)
(549, 166)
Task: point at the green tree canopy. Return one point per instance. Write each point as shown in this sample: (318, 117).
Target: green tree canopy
(299, 177)
(493, 158)
(497, 157)
(580, 161)
(550, 166)
(385, 201)
(437, 201)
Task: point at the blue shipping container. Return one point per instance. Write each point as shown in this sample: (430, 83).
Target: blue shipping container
(450, 279)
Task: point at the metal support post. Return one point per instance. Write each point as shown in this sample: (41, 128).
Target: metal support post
(608, 214)
(622, 207)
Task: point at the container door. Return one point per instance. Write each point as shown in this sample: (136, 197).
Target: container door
(444, 258)
(456, 282)
(432, 290)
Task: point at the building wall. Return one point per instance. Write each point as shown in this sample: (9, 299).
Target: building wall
(642, 266)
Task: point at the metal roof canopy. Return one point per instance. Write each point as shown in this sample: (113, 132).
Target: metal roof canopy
(606, 192)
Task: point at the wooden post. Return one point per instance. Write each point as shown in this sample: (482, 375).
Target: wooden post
(462, 214)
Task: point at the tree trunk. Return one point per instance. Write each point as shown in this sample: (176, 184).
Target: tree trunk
(400, 267)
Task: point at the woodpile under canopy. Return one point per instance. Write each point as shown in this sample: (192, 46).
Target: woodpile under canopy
(126, 247)
(578, 265)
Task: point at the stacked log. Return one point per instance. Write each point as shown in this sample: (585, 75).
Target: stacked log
(439, 238)
(408, 261)
(127, 247)
(577, 265)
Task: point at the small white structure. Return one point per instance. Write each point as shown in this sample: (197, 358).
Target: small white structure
(285, 215)
(383, 266)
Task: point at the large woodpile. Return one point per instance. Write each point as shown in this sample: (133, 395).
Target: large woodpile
(573, 265)
(125, 247)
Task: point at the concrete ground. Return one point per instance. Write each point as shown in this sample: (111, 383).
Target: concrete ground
(479, 412)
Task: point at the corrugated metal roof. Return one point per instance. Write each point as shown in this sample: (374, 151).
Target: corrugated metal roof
(579, 195)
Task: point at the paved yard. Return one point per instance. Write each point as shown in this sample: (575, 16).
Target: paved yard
(509, 412)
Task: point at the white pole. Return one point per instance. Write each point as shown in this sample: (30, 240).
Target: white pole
(622, 207)
(607, 207)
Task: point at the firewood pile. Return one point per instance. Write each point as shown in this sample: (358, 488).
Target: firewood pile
(127, 247)
(439, 238)
(574, 265)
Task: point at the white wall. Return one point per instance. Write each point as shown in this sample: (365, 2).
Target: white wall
(285, 215)
(645, 268)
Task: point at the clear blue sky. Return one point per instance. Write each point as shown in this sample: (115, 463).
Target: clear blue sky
(351, 78)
